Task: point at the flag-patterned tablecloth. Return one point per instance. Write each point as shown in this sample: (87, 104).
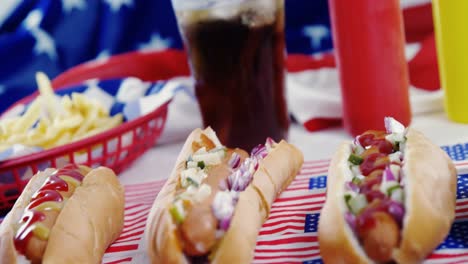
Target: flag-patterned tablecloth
(290, 233)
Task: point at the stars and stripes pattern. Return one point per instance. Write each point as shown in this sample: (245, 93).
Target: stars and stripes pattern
(290, 233)
(53, 36)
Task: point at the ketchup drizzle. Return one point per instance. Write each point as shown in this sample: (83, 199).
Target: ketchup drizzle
(373, 162)
(49, 192)
(24, 232)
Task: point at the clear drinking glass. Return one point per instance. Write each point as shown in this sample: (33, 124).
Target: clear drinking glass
(236, 52)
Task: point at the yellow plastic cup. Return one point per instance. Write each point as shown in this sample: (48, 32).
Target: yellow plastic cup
(451, 32)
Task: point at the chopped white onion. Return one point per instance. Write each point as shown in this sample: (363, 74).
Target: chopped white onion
(223, 205)
(357, 203)
(203, 192)
(393, 126)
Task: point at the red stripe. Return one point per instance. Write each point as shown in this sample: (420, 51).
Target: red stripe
(462, 202)
(132, 206)
(113, 249)
(461, 261)
(140, 220)
(300, 182)
(285, 249)
(301, 239)
(142, 189)
(310, 210)
(305, 167)
(312, 172)
(143, 193)
(461, 163)
(293, 198)
(128, 240)
(137, 212)
(297, 188)
(317, 161)
(298, 221)
(442, 255)
(463, 210)
(147, 199)
(278, 230)
(148, 187)
(134, 227)
(303, 203)
(120, 261)
(136, 221)
(305, 256)
(145, 184)
(130, 235)
(301, 214)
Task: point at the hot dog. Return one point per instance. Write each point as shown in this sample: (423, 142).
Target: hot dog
(67, 215)
(390, 198)
(212, 206)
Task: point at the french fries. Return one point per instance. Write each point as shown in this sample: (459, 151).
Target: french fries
(52, 121)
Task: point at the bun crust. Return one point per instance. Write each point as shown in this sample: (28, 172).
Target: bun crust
(430, 191)
(89, 222)
(431, 198)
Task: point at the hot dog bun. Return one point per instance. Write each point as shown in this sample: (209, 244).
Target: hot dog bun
(90, 220)
(430, 188)
(274, 174)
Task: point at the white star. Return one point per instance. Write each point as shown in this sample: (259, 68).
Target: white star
(156, 43)
(33, 20)
(316, 33)
(103, 56)
(44, 43)
(115, 5)
(69, 5)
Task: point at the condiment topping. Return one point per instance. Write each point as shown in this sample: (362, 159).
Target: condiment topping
(203, 206)
(375, 193)
(48, 197)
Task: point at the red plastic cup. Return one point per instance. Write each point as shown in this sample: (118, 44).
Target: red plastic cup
(369, 44)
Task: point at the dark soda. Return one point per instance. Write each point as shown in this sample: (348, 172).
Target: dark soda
(238, 66)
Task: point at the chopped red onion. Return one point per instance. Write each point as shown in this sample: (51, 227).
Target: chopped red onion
(356, 141)
(259, 151)
(234, 161)
(257, 164)
(388, 174)
(256, 150)
(351, 220)
(233, 180)
(224, 224)
(397, 210)
(352, 186)
(269, 143)
(223, 185)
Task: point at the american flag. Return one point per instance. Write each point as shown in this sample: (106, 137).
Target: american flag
(290, 233)
(53, 36)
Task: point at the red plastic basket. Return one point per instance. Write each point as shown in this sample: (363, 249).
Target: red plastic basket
(118, 148)
(144, 131)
